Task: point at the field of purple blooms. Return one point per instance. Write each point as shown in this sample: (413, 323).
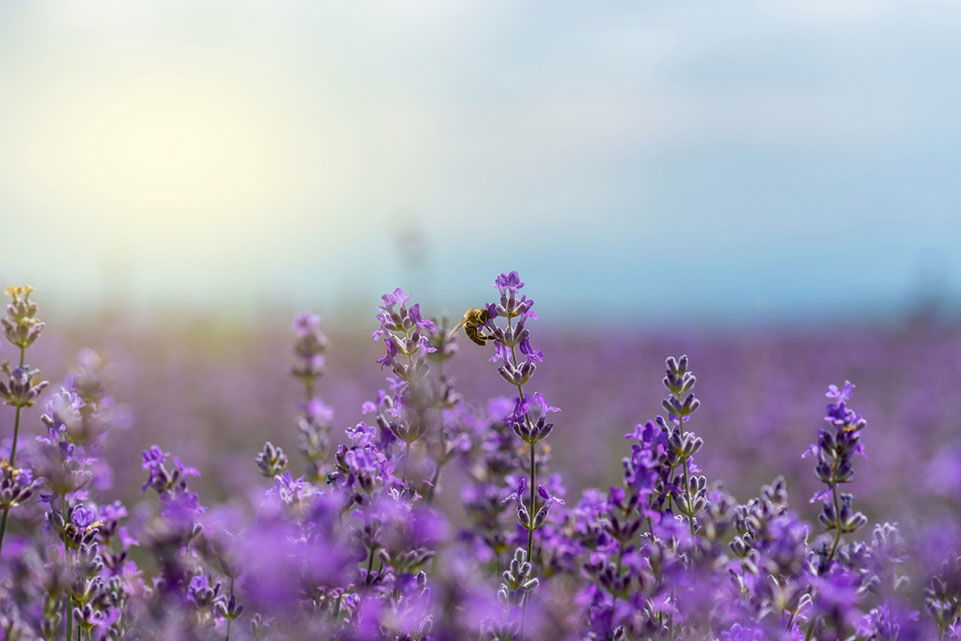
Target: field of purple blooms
(435, 484)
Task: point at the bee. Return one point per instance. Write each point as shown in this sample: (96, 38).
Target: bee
(474, 319)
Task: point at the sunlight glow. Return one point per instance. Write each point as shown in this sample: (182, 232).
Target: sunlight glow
(164, 162)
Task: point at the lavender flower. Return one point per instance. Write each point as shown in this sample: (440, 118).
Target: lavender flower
(22, 387)
(164, 479)
(510, 338)
(942, 597)
(16, 485)
(412, 410)
(272, 461)
(357, 548)
(309, 349)
(314, 421)
(517, 580)
(21, 327)
(403, 331)
(835, 450)
(690, 497)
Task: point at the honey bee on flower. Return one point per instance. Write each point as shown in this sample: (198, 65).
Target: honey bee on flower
(474, 319)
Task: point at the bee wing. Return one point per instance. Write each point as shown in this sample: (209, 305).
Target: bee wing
(457, 327)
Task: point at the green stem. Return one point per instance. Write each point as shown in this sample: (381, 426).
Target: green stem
(687, 483)
(620, 564)
(230, 619)
(533, 472)
(407, 479)
(370, 566)
(68, 610)
(16, 435)
(433, 483)
(836, 502)
(790, 621)
(441, 459)
(530, 529)
(533, 489)
(13, 455)
(3, 525)
(690, 499)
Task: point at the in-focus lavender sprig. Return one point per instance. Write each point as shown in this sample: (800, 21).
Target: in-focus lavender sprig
(530, 417)
(680, 405)
(835, 450)
(509, 338)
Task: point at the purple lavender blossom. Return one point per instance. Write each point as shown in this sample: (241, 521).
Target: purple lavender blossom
(366, 545)
(20, 390)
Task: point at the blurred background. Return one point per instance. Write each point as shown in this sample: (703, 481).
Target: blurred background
(735, 162)
(768, 186)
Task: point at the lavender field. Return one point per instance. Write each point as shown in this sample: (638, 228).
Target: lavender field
(272, 369)
(489, 481)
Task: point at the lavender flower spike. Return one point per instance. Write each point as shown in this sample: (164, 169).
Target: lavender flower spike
(22, 386)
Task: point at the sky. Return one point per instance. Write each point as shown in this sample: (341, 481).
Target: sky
(732, 162)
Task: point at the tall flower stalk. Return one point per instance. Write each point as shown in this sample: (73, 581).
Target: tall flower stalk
(690, 498)
(402, 411)
(21, 328)
(517, 361)
(531, 427)
(835, 450)
(78, 418)
(314, 422)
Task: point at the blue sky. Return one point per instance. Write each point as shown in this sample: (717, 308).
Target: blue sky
(707, 161)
